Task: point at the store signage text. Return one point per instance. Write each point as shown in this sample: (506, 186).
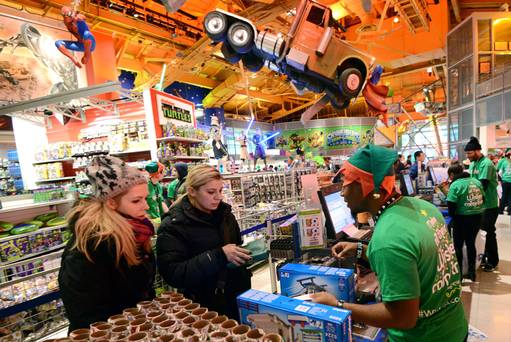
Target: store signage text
(176, 113)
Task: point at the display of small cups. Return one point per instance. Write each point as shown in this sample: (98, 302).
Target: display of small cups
(180, 316)
(151, 315)
(255, 335)
(130, 313)
(218, 336)
(197, 313)
(145, 306)
(140, 325)
(188, 334)
(191, 307)
(202, 328)
(79, 332)
(240, 332)
(228, 325)
(100, 326)
(188, 321)
(119, 331)
(121, 323)
(209, 315)
(158, 320)
(139, 337)
(168, 326)
(272, 338)
(166, 338)
(115, 318)
(80, 337)
(99, 335)
(218, 321)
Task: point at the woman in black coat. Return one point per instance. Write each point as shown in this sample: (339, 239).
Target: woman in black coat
(108, 264)
(198, 245)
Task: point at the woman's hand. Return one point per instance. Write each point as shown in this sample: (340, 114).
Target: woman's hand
(344, 250)
(236, 255)
(324, 298)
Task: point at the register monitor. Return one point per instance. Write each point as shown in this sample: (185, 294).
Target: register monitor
(438, 174)
(407, 185)
(337, 214)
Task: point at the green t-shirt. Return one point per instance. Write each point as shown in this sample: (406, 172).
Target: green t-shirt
(413, 257)
(504, 165)
(171, 189)
(484, 169)
(468, 194)
(155, 200)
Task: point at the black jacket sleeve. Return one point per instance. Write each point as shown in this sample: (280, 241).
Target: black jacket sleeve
(452, 208)
(175, 264)
(485, 183)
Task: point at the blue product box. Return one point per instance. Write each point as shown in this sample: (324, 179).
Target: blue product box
(293, 319)
(299, 279)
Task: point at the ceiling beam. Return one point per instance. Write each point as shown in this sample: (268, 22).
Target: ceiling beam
(284, 112)
(193, 79)
(456, 10)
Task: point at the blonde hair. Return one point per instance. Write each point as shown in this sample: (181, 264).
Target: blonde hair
(198, 176)
(97, 222)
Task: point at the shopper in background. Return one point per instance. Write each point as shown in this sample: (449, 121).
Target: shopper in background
(410, 251)
(419, 166)
(198, 245)
(482, 168)
(400, 165)
(108, 264)
(155, 199)
(466, 205)
(177, 187)
(409, 161)
(504, 168)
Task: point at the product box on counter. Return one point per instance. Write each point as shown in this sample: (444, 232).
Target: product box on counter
(367, 333)
(293, 319)
(299, 279)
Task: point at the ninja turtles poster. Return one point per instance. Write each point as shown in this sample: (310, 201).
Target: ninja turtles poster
(325, 139)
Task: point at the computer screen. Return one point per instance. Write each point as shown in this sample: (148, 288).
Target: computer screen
(439, 174)
(408, 185)
(337, 214)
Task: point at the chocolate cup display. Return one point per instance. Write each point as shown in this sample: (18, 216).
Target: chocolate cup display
(188, 321)
(80, 337)
(115, 318)
(181, 315)
(99, 335)
(255, 335)
(139, 337)
(145, 306)
(230, 338)
(218, 321)
(272, 338)
(119, 331)
(199, 312)
(191, 307)
(187, 333)
(166, 338)
(184, 302)
(202, 327)
(228, 325)
(160, 319)
(77, 332)
(137, 324)
(154, 314)
(169, 325)
(100, 326)
(121, 323)
(130, 313)
(218, 336)
(209, 316)
(241, 331)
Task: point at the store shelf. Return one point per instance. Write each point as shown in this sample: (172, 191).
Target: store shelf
(55, 179)
(14, 309)
(188, 158)
(129, 152)
(89, 154)
(33, 255)
(30, 205)
(83, 181)
(180, 139)
(45, 229)
(52, 161)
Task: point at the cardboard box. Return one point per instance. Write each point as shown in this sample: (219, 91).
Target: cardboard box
(293, 319)
(299, 279)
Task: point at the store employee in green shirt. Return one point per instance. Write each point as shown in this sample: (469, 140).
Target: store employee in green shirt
(155, 200)
(466, 205)
(411, 253)
(504, 169)
(484, 170)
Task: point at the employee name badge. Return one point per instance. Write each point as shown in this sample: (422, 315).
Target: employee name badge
(312, 230)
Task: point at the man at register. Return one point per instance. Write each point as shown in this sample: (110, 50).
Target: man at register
(410, 251)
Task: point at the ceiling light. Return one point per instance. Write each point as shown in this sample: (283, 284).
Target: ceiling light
(396, 20)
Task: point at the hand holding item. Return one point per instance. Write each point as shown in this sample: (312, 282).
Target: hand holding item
(324, 298)
(236, 255)
(344, 249)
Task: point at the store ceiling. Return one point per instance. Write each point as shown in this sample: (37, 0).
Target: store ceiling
(147, 37)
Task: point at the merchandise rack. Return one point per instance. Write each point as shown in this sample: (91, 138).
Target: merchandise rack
(180, 139)
(52, 161)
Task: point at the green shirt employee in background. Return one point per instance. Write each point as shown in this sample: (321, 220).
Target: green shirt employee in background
(411, 253)
(504, 169)
(466, 206)
(155, 200)
(483, 169)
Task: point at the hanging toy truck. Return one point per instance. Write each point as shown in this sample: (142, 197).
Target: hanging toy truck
(311, 54)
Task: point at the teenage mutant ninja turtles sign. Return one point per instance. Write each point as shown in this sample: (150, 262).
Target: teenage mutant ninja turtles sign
(325, 139)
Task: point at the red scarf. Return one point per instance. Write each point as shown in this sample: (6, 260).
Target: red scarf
(143, 229)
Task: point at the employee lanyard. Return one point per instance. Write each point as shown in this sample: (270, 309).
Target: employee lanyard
(390, 202)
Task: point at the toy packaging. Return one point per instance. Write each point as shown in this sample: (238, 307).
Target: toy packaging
(293, 319)
(299, 279)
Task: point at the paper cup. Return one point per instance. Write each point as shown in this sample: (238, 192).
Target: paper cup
(199, 312)
(188, 321)
(99, 335)
(209, 316)
(130, 313)
(272, 338)
(145, 306)
(166, 338)
(228, 325)
(139, 337)
(202, 327)
(121, 331)
(100, 326)
(115, 318)
(191, 307)
(218, 321)
(255, 335)
(78, 332)
(80, 337)
(240, 332)
(218, 336)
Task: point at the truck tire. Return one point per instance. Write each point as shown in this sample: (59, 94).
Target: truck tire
(350, 82)
(216, 26)
(241, 37)
(252, 62)
(230, 55)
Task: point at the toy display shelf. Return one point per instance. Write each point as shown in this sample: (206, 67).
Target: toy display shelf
(52, 161)
(34, 255)
(40, 230)
(62, 179)
(30, 204)
(121, 153)
(180, 139)
(24, 306)
(189, 158)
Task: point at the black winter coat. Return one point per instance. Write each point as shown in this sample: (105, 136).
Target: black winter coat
(94, 291)
(190, 256)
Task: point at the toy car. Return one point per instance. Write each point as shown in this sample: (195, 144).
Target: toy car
(311, 54)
